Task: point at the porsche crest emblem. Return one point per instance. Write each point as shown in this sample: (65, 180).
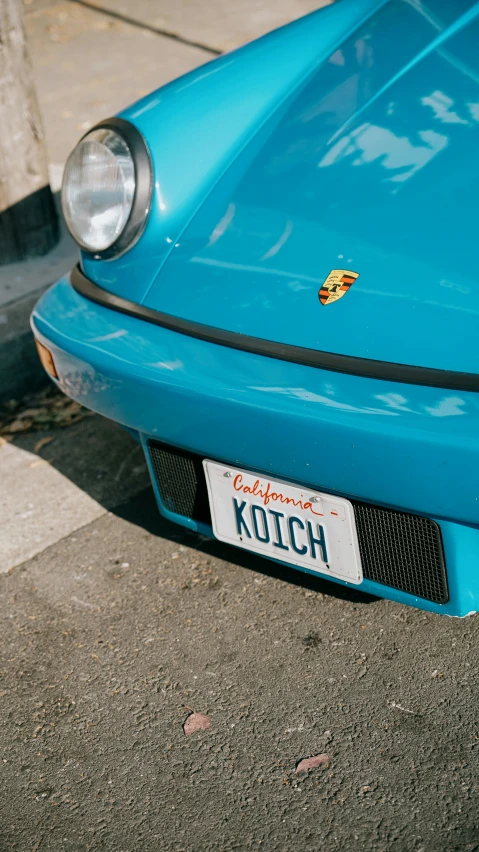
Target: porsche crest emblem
(336, 285)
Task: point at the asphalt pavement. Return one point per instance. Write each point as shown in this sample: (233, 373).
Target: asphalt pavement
(114, 634)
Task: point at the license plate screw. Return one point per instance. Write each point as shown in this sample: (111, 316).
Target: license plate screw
(228, 474)
(315, 499)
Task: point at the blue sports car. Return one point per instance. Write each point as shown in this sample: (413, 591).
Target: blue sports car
(277, 294)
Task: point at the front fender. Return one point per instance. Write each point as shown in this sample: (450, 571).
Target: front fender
(197, 125)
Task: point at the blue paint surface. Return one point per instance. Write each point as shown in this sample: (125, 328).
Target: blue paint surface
(401, 446)
(346, 140)
(371, 166)
(197, 125)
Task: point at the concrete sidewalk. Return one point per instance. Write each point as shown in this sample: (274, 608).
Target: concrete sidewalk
(218, 25)
(57, 480)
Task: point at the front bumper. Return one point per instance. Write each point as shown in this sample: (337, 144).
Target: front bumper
(406, 447)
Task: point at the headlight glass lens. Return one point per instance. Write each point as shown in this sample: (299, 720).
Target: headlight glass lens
(98, 189)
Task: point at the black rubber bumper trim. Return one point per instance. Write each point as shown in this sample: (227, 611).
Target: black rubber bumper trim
(364, 367)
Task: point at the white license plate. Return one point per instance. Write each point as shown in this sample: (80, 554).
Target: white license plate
(305, 528)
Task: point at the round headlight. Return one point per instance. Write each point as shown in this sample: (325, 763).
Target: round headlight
(100, 191)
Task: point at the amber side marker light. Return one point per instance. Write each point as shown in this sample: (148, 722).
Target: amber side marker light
(46, 358)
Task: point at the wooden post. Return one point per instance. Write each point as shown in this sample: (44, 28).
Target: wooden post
(28, 220)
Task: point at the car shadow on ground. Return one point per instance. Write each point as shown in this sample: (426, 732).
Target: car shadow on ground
(106, 462)
(142, 511)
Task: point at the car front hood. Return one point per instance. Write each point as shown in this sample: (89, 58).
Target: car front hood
(370, 168)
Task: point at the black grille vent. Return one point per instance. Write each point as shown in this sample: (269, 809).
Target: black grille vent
(181, 482)
(399, 550)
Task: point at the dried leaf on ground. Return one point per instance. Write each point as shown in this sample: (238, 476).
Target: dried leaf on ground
(42, 443)
(311, 763)
(48, 409)
(196, 722)
(18, 426)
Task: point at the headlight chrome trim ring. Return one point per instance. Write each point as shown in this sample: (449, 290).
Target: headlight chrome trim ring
(143, 170)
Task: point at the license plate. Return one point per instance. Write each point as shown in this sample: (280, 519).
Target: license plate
(296, 525)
